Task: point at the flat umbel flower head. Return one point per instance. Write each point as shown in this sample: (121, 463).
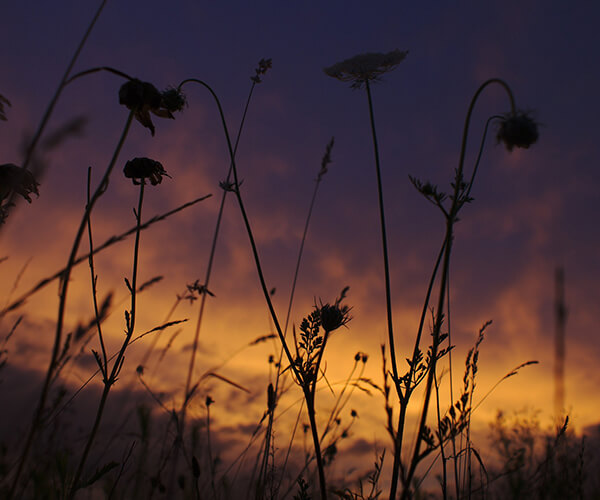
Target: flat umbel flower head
(366, 67)
(140, 169)
(517, 130)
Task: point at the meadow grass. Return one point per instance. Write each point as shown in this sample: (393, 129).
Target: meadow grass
(172, 454)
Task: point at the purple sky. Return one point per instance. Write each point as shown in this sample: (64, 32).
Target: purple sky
(534, 209)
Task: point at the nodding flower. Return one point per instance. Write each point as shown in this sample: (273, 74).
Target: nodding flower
(140, 169)
(367, 67)
(143, 98)
(517, 129)
(15, 180)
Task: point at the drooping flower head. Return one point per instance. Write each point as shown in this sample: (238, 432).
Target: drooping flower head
(15, 179)
(143, 98)
(366, 67)
(140, 169)
(173, 100)
(517, 129)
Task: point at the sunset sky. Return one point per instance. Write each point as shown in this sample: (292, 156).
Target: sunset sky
(534, 209)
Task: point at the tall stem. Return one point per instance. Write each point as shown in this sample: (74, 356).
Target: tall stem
(386, 266)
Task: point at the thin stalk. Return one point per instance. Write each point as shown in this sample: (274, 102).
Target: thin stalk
(64, 285)
(265, 289)
(310, 407)
(212, 250)
(322, 172)
(210, 457)
(118, 364)
(458, 200)
(386, 265)
(190, 373)
(405, 398)
(104, 364)
(442, 454)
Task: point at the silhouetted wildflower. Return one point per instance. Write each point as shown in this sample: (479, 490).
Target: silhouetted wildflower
(15, 180)
(143, 98)
(333, 316)
(517, 130)
(140, 169)
(18, 180)
(263, 66)
(365, 67)
(173, 100)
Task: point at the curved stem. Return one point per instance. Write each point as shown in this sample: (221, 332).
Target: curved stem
(64, 285)
(212, 251)
(95, 70)
(481, 88)
(458, 200)
(236, 190)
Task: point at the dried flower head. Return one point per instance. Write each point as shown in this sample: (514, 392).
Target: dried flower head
(366, 67)
(263, 66)
(18, 180)
(517, 130)
(140, 169)
(173, 100)
(143, 98)
(334, 316)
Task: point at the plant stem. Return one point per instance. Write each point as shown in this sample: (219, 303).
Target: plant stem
(212, 255)
(310, 407)
(104, 364)
(458, 200)
(64, 285)
(118, 364)
(386, 266)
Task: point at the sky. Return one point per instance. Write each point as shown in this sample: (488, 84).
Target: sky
(534, 210)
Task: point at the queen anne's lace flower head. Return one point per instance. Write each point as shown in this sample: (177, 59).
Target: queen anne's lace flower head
(366, 67)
